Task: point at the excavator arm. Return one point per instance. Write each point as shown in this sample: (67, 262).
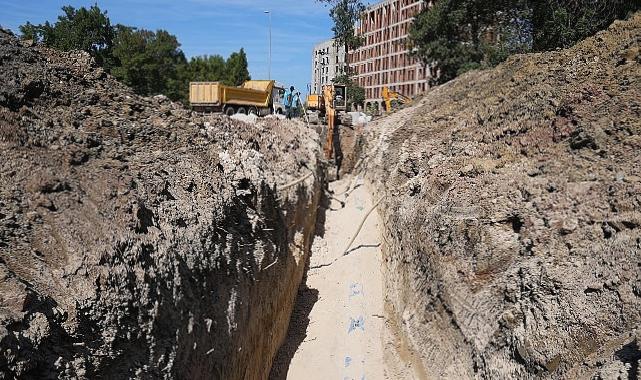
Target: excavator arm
(330, 114)
(389, 95)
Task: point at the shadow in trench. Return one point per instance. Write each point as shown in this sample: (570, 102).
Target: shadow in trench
(296, 333)
(305, 300)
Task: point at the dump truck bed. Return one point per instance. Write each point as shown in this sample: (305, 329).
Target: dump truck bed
(251, 93)
(315, 101)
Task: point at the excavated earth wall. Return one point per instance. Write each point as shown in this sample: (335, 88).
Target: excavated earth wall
(139, 239)
(512, 215)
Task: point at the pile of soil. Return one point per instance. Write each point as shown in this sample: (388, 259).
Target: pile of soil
(512, 215)
(139, 239)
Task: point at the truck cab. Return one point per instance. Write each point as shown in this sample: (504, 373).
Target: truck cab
(278, 97)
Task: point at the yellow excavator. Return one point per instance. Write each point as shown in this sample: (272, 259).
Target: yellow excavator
(331, 105)
(329, 92)
(389, 96)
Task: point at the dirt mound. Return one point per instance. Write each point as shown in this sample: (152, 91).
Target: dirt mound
(512, 217)
(138, 239)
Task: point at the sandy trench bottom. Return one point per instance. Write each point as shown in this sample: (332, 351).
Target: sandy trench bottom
(339, 329)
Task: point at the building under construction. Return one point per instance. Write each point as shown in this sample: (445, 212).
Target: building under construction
(384, 60)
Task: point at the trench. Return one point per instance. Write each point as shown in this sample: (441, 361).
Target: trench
(339, 326)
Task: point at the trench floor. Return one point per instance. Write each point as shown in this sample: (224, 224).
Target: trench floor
(339, 329)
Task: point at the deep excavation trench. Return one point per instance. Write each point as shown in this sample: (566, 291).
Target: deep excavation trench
(509, 224)
(139, 239)
(339, 328)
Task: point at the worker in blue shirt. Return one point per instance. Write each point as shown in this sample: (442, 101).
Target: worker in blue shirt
(289, 101)
(296, 104)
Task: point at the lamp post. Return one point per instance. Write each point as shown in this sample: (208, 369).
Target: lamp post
(270, 43)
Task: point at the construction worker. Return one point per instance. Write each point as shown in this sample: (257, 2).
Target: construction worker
(296, 104)
(289, 100)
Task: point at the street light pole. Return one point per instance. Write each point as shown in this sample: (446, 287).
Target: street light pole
(270, 44)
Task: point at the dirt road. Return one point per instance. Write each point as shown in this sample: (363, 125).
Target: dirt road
(339, 330)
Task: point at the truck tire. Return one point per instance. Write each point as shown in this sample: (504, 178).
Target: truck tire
(229, 111)
(242, 110)
(253, 111)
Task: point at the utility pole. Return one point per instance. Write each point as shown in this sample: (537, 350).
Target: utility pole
(270, 44)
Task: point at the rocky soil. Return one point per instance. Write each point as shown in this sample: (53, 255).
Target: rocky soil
(512, 215)
(138, 239)
(350, 145)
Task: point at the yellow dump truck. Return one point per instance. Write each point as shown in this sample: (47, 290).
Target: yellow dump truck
(259, 97)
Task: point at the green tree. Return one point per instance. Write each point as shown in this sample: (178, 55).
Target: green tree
(454, 36)
(236, 69)
(205, 69)
(562, 23)
(76, 29)
(29, 31)
(346, 14)
(148, 61)
(198, 69)
(436, 38)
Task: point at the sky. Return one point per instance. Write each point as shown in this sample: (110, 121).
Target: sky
(211, 27)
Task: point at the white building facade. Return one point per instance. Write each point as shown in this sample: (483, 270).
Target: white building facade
(328, 61)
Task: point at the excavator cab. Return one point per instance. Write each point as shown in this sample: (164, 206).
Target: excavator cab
(317, 104)
(340, 97)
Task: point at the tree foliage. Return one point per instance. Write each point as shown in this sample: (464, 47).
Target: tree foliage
(205, 69)
(562, 23)
(236, 72)
(454, 36)
(346, 15)
(150, 62)
(147, 61)
(76, 29)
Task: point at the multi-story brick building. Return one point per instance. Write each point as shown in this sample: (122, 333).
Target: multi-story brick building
(384, 59)
(328, 61)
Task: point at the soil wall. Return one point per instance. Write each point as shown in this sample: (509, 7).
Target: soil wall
(139, 239)
(512, 215)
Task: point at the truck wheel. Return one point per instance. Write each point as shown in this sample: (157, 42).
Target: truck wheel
(279, 111)
(242, 110)
(230, 111)
(253, 111)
